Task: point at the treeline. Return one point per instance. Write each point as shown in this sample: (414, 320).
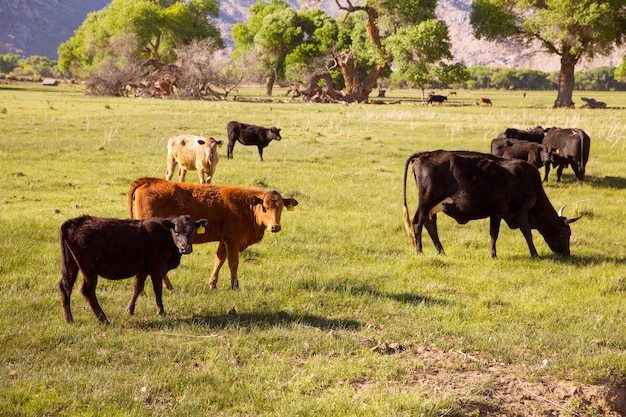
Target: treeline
(485, 78)
(35, 68)
(32, 68)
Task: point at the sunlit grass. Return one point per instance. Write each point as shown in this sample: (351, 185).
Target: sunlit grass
(316, 298)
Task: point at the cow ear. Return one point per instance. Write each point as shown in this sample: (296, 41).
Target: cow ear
(167, 224)
(254, 200)
(220, 142)
(201, 222)
(290, 203)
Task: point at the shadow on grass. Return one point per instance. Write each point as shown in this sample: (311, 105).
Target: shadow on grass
(262, 320)
(606, 182)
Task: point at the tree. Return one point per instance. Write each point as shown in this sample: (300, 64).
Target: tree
(421, 54)
(273, 31)
(571, 29)
(157, 27)
(366, 43)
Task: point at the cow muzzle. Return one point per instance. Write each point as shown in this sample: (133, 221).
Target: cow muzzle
(186, 250)
(275, 228)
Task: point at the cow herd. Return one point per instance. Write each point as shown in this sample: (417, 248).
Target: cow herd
(170, 216)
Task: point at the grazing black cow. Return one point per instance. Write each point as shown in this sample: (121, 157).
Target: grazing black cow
(250, 135)
(117, 249)
(471, 185)
(569, 146)
(536, 134)
(436, 99)
(531, 152)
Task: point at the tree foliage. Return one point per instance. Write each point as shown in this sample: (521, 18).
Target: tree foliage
(571, 29)
(158, 27)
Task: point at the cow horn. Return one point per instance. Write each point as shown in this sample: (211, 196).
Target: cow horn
(566, 220)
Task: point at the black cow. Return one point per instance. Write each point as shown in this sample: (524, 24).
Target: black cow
(569, 146)
(471, 185)
(250, 135)
(531, 152)
(535, 134)
(436, 99)
(117, 249)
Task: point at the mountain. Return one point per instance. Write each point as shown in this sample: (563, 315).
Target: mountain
(38, 27)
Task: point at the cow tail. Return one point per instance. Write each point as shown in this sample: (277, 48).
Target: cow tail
(405, 210)
(131, 193)
(66, 257)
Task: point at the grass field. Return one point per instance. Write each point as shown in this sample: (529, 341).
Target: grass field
(336, 315)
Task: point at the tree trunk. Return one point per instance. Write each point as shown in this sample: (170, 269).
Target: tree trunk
(269, 84)
(359, 84)
(566, 80)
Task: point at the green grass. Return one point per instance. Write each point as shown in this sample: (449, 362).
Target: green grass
(339, 279)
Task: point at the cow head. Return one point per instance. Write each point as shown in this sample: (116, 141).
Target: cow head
(268, 209)
(210, 146)
(558, 238)
(274, 133)
(183, 230)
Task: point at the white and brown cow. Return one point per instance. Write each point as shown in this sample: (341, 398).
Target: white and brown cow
(192, 153)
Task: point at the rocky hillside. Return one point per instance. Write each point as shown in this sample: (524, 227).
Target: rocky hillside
(38, 27)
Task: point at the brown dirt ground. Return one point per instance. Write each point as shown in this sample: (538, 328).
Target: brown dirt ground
(486, 388)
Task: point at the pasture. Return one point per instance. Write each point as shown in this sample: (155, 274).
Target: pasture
(337, 315)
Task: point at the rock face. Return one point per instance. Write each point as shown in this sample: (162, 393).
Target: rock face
(38, 27)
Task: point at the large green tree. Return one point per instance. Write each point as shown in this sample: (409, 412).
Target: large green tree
(273, 31)
(157, 27)
(422, 55)
(571, 29)
(365, 55)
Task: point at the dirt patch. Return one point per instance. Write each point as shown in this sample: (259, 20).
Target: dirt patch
(488, 389)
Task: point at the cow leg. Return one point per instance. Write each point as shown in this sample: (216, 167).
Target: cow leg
(69, 272)
(431, 227)
(138, 287)
(233, 265)
(201, 173)
(157, 285)
(559, 171)
(231, 145)
(494, 232)
(220, 258)
(171, 164)
(578, 172)
(181, 174)
(260, 152)
(417, 231)
(166, 283)
(524, 227)
(88, 289)
(547, 168)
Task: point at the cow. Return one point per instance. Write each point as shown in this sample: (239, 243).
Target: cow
(535, 134)
(192, 153)
(569, 146)
(237, 216)
(484, 100)
(471, 185)
(248, 134)
(436, 99)
(120, 248)
(531, 152)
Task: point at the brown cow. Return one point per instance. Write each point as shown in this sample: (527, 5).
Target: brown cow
(484, 100)
(237, 216)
